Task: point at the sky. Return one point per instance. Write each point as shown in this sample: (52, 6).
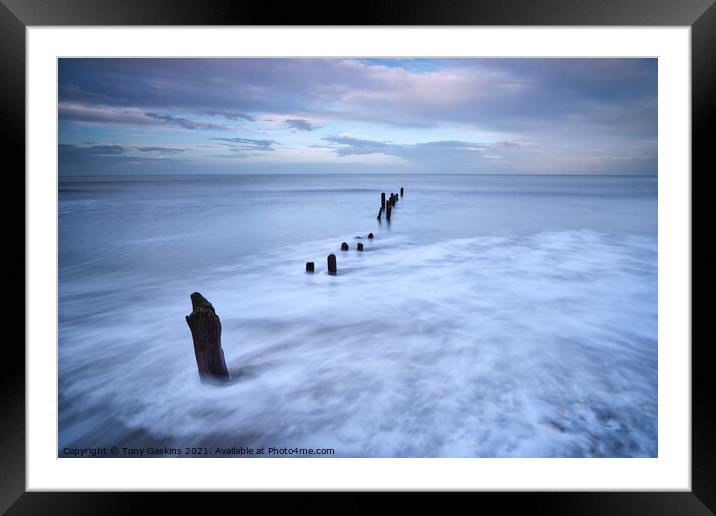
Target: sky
(348, 115)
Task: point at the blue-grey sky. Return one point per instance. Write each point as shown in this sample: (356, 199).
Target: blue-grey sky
(202, 116)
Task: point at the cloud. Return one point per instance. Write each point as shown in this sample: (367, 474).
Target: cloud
(115, 150)
(72, 111)
(229, 115)
(451, 145)
(590, 97)
(345, 146)
(246, 144)
(348, 145)
(299, 124)
(165, 150)
(511, 156)
(76, 93)
(184, 122)
(107, 159)
(541, 114)
(104, 150)
(488, 93)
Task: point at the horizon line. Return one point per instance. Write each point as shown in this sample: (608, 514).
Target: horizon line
(211, 174)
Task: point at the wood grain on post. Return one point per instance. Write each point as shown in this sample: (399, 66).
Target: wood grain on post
(205, 328)
(332, 264)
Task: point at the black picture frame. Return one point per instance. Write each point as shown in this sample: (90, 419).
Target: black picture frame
(700, 15)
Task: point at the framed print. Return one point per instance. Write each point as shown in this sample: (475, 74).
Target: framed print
(436, 250)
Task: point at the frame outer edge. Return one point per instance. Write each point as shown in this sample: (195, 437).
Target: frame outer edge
(385, 12)
(12, 377)
(703, 113)
(12, 53)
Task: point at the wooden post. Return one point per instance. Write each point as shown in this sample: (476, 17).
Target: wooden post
(379, 213)
(332, 264)
(401, 191)
(387, 212)
(370, 235)
(205, 328)
(310, 267)
(344, 246)
(359, 246)
(382, 201)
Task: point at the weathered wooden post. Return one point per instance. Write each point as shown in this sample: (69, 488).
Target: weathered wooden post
(382, 201)
(401, 191)
(344, 246)
(332, 264)
(380, 211)
(205, 328)
(310, 267)
(387, 212)
(359, 246)
(370, 235)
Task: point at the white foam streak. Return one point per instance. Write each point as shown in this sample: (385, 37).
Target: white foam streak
(525, 345)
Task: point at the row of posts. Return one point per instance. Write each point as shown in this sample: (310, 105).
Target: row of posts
(385, 206)
(332, 269)
(205, 325)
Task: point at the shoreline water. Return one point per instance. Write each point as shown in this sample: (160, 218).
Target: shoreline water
(446, 337)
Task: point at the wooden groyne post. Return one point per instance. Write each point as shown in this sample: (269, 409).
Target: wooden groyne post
(388, 209)
(205, 328)
(332, 264)
(382, 201)
(310, 267)
(359, 246)
(401, 191)
(344, 246)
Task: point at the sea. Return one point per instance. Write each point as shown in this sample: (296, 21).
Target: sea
(494, 316)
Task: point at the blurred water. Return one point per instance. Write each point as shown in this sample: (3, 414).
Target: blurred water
(496, 316)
